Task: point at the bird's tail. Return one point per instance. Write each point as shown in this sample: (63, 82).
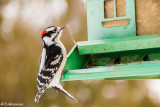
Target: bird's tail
(60, 89)
(38, 96)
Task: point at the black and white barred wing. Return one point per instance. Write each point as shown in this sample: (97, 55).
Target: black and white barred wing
(46, 74)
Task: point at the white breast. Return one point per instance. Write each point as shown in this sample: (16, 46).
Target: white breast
(42, 59)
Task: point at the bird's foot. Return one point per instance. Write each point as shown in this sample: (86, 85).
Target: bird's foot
(64, 72)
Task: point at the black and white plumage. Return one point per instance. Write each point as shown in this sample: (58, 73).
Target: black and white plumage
(52, 62)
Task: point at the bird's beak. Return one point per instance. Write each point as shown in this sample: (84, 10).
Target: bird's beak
(60, 28)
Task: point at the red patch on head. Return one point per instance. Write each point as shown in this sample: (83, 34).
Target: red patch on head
(43, 33)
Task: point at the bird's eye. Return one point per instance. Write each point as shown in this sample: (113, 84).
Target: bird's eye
(55, 30)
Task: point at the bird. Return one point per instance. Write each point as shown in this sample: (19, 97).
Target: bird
(53, 59)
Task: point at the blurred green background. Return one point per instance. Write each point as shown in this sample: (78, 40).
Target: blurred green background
(21, 24)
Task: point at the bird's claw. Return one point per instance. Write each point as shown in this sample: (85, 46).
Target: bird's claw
(64, 72)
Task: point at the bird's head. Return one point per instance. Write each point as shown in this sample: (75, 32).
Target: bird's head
(51, 35)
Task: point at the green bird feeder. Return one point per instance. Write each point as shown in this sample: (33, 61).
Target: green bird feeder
(115, 48)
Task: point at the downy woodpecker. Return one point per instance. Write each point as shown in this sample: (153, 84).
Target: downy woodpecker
(52, 62)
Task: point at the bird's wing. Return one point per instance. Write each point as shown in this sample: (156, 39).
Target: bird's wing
(46, 74)
(53, 53)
